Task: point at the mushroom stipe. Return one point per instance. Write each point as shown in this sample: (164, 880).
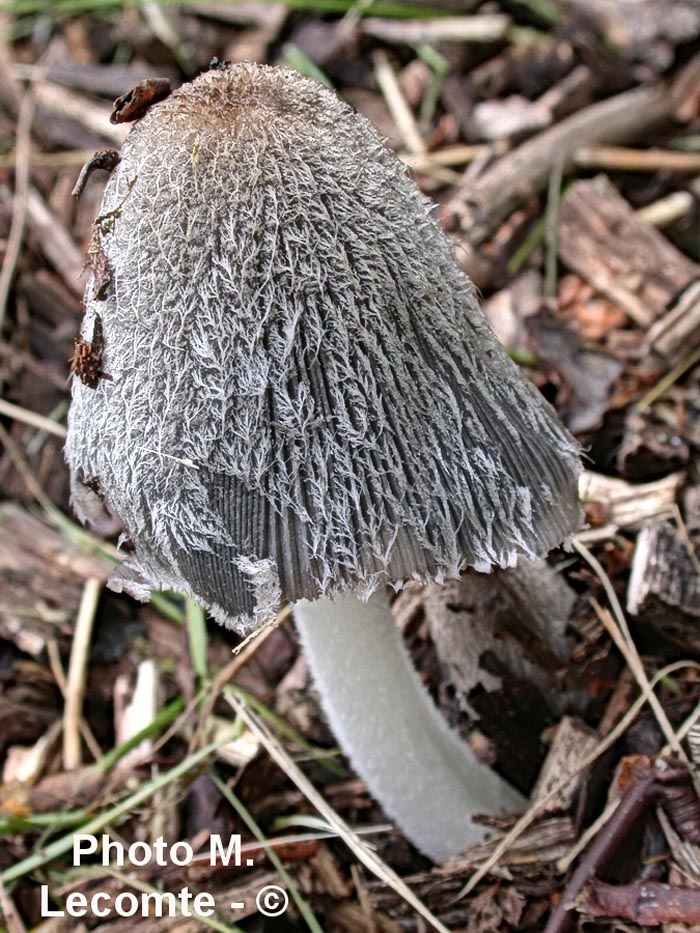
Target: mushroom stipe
(284, 314)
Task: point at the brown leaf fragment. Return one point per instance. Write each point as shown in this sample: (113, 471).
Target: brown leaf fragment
(493, 908)
(106, 159)
(586, 375)
(642, 782)
(134, 104)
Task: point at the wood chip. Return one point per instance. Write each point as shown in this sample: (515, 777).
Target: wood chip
(631, 263)
(43, 576)
(629, 505)
(664, 582)
(574, 740)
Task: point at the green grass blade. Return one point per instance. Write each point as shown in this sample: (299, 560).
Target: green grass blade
(246, 816)
(63, 845)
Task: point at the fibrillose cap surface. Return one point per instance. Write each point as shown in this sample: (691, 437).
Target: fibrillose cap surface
(302, 396)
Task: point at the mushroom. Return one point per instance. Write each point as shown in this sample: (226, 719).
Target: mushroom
(297, 399)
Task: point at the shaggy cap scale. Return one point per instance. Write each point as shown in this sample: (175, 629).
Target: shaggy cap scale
(303, 396)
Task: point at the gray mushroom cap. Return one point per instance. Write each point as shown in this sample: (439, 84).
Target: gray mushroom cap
(301, 396)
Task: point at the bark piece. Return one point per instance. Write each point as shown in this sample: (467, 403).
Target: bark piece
(502, 639)
(543, 843)
(469, 618)
(631, 263)
(55, 242)
(43, 575)
(664, 586)
(677, 333)
(487, 28)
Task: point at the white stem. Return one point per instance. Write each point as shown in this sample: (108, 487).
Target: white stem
(423, 775)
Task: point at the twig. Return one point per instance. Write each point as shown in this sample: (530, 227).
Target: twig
(348, 26)
(667, 210)
(19, 206)
(677, 331)
(605, 829)
(447, 157)
(93, 116)
(637, 160)
(638, 795)
(564, 863)
(489, 27)
(396, 102)
(55, 242)
(231, 669)
(552, 229)
(31, 418)
(59, 676)
(668, 380)
(647, 903)
(41, 369)
(243, 647)
(481, 206)
(77, 671)
(62, 159)
(364, 899)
